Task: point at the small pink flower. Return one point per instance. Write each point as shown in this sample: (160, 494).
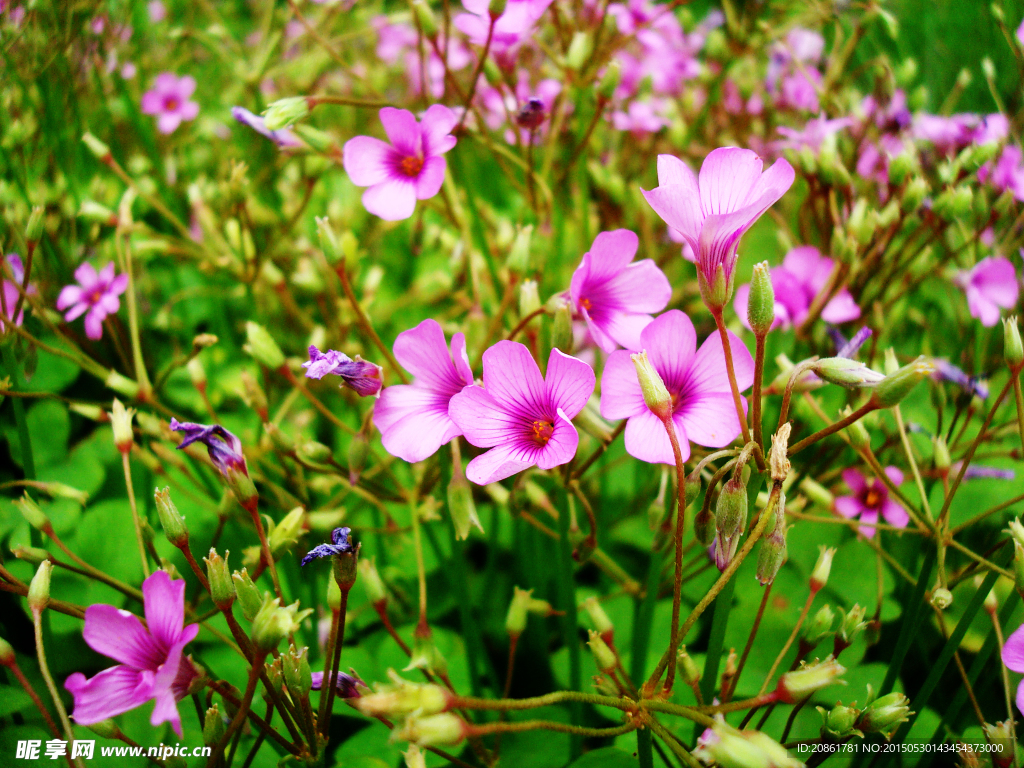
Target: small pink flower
(802, 276)
(813, 134)
(152, 665)
(1006, 173)
(96, 294)
(1013, 648)
(989, 285)
(169, 99)
(523, 417)
(411, 168)
(703, 410)
(157, 11)
(511, 28)
(871, 499)
(614, 296)
(714, 210)
(413, 418)
(15, 270)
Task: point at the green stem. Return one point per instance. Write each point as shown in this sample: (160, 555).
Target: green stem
(135, 511)
(28, 464)
(569, 622)
(731, 370)
(833, 428)
(44, 670)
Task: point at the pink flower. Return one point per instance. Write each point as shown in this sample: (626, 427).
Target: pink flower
(802, 276)
(641, 117)
(1013, 648)
(714, 210)
(511, 28)
(703, 410)
(989, 285)
(871, 498)
(169, 99)
(1006, 173)
(411, 168)
(523, 417)
(152, 665)
(16, 271)
(613, 296)
(413, 418)
(813, 134)
(96, 294)
(157, 11)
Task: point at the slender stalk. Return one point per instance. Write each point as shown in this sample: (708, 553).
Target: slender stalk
(332, 639)
(726, 695)
(20, 676)
(252, 507)
(217, 752)
(731, 370)
(677, 583)
(1019, 397)
(44, 670)
(145, 388)
(913, 463)
(865, 409)
(519, 726)
(758, 383)
(335, 661)
(364, 322)
(789, 642)
(476, 72)
(135, 512)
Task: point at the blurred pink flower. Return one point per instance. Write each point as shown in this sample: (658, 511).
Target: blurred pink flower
(16, 271)
(413, 418)
(793, 79)
(614, 296)
(990, 285)
(645, 116)
(169, 99)
(511, 28)
(714, 210)
(157, 11)
(871, 498)
(523, 417)
(703, 410)
(802, 276)
(1013, 648)
(813, 134)
(411, 168)
(1006, 173)
(96, 294)
(152, 665)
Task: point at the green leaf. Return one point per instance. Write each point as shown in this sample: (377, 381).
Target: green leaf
(606, 757)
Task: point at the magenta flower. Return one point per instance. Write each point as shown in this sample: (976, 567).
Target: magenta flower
(523, 417)
(989, 285)
(1006, 173)
(411, 168)
(169, 98)
(613, 296)
(413, 418)
(224, 448)
(16, 271)
(813, 134)
(714, 210)
(1013, 648)
(358, 375)
(95, 294)
(802, 276)
(703, 410)
(511, 28)
(871, 498)
(152, 665)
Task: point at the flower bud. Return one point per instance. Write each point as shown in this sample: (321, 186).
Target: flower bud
(901, 166)
(772, 553)
(7, 657)
(414, 757)
(286, 533)
(426, 655)
(262, 347)
(372, 582)
(599, 619)
(425, 18)
(941, 453)
(1001, 736)
(561, 329)
(1013, 351)
(273, 623)
(297, 675)
(705, 526)
(99, 150)
(213, 726)
(121, 421)
(896, 386)
(170, 519)
(461, 506)
(839, 722)
(39, 588)
(731, 508)
(729, 748)
(518, 261)
(33, 555)
(37, 518)
(313, 452)
(885, 713)
(222, 588)
(196, 373)
(851, 624)
(106, 729)
(249, 596)
(402, 698)
(656, 396)
(34, 227)
(845, 372)
(942, 598)
(717, 292)
(603, 655)
(915, 193)
(816, 493)
(687, 668)
(529, 298)
(691, 488)
(819, 627)
(761, 300)
(524, 603)
(443, 730)
(798, 685)
(822, 568)
(579, 51)
(283, 112)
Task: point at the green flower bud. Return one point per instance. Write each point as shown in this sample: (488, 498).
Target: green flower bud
(33, 514)
(915, 193)
(426, 655)
(99, 150)
(819, 627)
(196, 373)
(7, 657)
(313, 452)
(579, 51)
(444, 730)
(845, 372)
(761, 300)
(529, 298)
(519, 257)
(705, 526)
(280, 440)
(297, 675)
(940, 453)
(273, 623)
(34, 227)
(262, 347)
(893, 388)
(942, 598)
(121, 421)
(461, 506)
(691, 487)
(687, 668)
(524, 603)
(170, 519)
(283, 112)
(731, 509)
(105, 729)
(284, 534)
(839, 722)
(602, 624)
(1001, 736)
(900, 167)
(798, 685)
(401, 698)
(213, 726)
(249, 596)
(317, 139)
(730, 748)
(425, 18)
(561, 329)
(822, 568)
(884, 714)
(222, 587)
(655, 394)
(717, 293)
(772, 553)
(603, 655)
(1013, 351)
(33, 555)
(610, 80)
(851, 624)
(39, 588)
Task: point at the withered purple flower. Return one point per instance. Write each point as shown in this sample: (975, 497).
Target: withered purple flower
(346, 686)
(341, 544)
(531, 114)
(224, 448)
(358, 375)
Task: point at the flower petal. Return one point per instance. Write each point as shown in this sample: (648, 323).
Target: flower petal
(671, 341)
(498, 463)
(482, 420)
(727, 179)
(112, 692)
(646, 439)
(895, 514)
(570, 383)
(430, 178)
(436, 126)
(848, 506)
(424, 353)
(94, 323)
(368, 161)
(86, 276)
(69, 294)
(855, 480)
(895, 475)
(626, 329)
(641, 287)
(392, 200)
(620, 389)
(1013, 651)
(165, 607)
(512, 378)
(403, 131)
(561, 446)
(709, 418)
(609, 254)
(121, 636)
(707, 372)
(413, 422)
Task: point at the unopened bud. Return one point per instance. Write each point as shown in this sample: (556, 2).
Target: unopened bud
(529, 298)
(655, 394)
(426, 655)
(222, 587)
(896, 386)
(401, 698)
(942, 598)
(885, 713)
(461, 506)
(822, 568)
(772, 553)
(603, 655)
(610, 80)
(121, 422)
(941, 456)
(731, 508)
(249, 597)
(196, 373)
(845, 372)
(33, 514)
(284, 534)
(170, 519)
(819, 627)
(273, 623)
(283, 112)
(262, 347)
(213, 726)
(761, 300)
(857, 433)
(798, 685)
(914, 195)
(1013, 351)
(443, 730)
(851, 624)
(99, 150)
(297, 675)
(519, 261)
(602, 624)
(579, 50)
(105, 729)
(358, 450)
(7, 657)
(839, 722)
(561, 329)
(688, 669)
(39, 588)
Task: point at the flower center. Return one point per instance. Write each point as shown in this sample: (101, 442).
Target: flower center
(411, 165)
(171, 104)
(872, 498)
(94, 297)
(540, 432)
(585, 303)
